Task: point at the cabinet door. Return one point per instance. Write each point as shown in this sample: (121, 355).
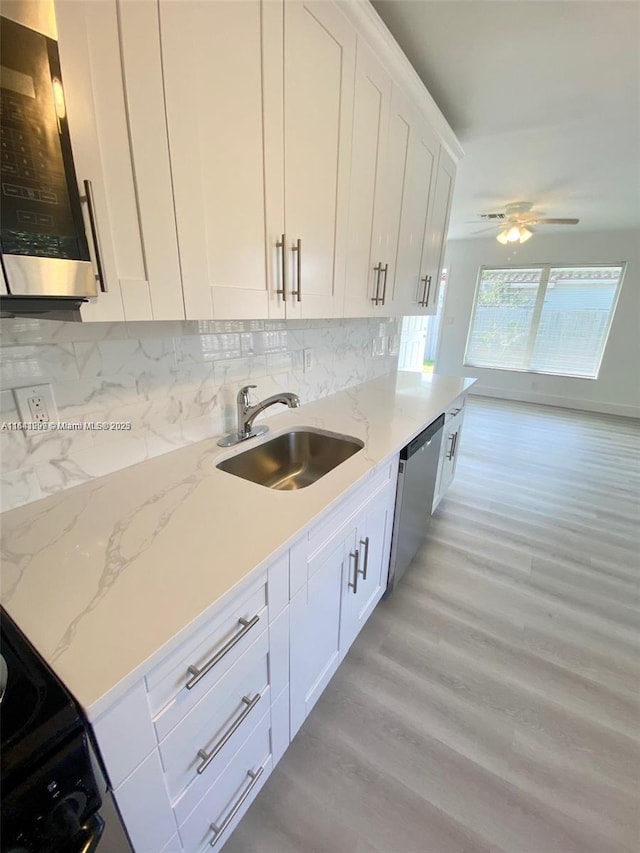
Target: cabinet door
(90, 61)
(363, 296)
(315, 634)
(436, 233)
(319, 67)
(448, 455)
(212, 63)
(420, 173)
(396, 177)
(113, 81)
(365, 578)
(142, 63)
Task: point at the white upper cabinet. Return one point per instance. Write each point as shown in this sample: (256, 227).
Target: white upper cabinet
(367, 241)
(258, 109)
(248, 162)
(436, 233)
(214, 98)
(141, 59)
(89, 58)
(132, 195)
(319, 69)
(414, 149)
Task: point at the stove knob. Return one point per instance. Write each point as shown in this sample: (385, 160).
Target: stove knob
(64, 819)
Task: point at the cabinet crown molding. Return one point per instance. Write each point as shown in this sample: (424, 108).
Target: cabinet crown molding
(366, 20)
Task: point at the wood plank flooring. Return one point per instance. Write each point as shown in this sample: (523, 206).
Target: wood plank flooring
(491, 704)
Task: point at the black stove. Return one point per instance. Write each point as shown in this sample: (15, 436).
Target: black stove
(50, 796)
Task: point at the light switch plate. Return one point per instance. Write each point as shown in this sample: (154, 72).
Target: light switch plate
(307, 359)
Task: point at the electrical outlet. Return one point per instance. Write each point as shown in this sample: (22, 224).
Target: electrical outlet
(35, 404)
(307, 359)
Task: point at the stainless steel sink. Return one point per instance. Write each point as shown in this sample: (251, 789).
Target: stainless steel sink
(293, 460)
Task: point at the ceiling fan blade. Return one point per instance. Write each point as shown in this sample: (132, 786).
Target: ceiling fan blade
(489, 228)
(555, 221)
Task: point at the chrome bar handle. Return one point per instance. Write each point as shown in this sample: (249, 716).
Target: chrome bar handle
(385, 270)
(197, 674)
(219, 830)
(298, 250)
(453, 444)
(377, 270)
(282, 245)
(356, 556)
(95, 237)
(426, 299)
(454, 447)
(365, 544)
(422, 302)
(207, 757)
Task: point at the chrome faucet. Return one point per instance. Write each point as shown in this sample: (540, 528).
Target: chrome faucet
(247, 414)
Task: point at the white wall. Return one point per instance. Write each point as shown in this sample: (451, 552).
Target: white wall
(617, 388)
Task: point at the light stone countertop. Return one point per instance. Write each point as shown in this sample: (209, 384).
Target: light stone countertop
(104, 578)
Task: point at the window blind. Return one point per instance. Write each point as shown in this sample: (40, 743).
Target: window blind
(544, 319)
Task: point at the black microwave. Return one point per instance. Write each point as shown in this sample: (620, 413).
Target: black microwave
(44, 251)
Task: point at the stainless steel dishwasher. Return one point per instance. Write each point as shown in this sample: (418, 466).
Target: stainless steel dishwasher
(414, 498)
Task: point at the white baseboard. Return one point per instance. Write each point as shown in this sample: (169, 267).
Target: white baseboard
(564, 402)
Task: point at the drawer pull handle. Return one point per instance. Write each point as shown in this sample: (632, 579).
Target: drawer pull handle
(356, 557)
(377, 270)
(282, 245)
(219, 830)
(385, 270)
(454, 441)
(365, 544)
(297, 249)
(207, 757)
(197, 674)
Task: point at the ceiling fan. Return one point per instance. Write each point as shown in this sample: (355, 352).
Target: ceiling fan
(517, 220)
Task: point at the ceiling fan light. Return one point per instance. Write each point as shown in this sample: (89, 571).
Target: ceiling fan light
(513, 234)
(502, 237)
(525, 234)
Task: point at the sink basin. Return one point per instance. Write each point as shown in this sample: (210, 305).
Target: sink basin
(293, 460)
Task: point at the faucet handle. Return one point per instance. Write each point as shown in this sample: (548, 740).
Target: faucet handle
(243, 394)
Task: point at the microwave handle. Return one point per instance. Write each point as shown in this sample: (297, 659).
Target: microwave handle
(95, 238)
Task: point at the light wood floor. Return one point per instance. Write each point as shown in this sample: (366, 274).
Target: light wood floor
(491, 704)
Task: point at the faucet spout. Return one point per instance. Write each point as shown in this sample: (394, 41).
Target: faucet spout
(247, 414)
(286, 398)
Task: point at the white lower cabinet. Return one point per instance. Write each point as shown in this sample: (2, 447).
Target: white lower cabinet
(190, 745)
(449, 449)
(315, 625)
(346, 559)
(216, 815)
(366, 575)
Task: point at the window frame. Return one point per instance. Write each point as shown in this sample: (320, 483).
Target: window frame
(545, 269)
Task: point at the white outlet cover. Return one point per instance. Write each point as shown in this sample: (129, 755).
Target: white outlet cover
(23, 395)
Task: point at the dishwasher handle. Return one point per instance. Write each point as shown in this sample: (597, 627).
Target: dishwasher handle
(423, 438)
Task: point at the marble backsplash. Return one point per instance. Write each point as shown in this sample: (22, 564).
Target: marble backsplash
(175, 382)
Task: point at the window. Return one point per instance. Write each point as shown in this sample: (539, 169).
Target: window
(543, 319)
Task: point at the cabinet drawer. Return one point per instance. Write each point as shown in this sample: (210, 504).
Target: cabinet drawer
(231, 794)
(217, 725)
(173, 687)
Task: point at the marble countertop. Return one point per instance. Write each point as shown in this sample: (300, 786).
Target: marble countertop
(104, 578)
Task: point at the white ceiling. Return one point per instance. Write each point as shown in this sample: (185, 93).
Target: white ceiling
(544, 96)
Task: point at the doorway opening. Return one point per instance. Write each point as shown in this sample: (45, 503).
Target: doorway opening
(420, 337)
